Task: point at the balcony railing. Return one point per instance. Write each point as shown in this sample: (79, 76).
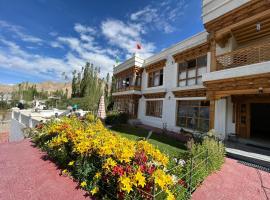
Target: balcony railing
(129, 88)
(245, 56)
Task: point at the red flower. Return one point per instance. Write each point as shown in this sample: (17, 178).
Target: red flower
(182, 182)
(118, 170)
(151, 169)
(141, 158)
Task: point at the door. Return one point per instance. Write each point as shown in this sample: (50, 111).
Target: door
(243, 120)
(260, 115)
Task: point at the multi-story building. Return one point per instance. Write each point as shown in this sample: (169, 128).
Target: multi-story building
(217, 79)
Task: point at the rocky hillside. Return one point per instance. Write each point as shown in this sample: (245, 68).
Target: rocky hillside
(47, 86)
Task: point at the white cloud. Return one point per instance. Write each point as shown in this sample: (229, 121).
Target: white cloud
(56, 44)
(126, 36)
(84, 29)
(122, 37)
(19, 32)
(159, 16)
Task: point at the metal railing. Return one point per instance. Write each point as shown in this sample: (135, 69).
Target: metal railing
(135, 87)
(245, 56)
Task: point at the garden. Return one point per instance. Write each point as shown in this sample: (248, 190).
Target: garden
(120, 164)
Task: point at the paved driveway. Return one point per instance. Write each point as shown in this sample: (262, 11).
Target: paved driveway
(25, 176)
(235, 181)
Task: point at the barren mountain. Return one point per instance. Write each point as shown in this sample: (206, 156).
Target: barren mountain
(46, 86)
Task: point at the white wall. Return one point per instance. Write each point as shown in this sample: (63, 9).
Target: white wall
(224, 117)
(230, 125)
(220, 116)
(169, 102)
(212, 9)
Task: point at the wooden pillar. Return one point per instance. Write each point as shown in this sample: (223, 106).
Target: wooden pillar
(212, 114)
(213, 64)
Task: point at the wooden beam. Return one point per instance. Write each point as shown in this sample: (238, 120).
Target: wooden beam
(155, 95)
(253, 19)
(238, 16)
(190, 93)
(155, 66)
(192, 53)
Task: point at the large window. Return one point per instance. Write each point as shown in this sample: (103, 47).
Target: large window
(154, 108)
(155, 78)
(193, 115)
(129, 80)
(190, 72)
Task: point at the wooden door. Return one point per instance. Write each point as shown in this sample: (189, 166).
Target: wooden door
(243, 120)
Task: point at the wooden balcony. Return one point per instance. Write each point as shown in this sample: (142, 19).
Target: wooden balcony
(138, 88)
(245, 56)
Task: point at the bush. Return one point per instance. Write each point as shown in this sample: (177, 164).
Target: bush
(110, 166)
(116, 118)
(102, 161)
(206, 157)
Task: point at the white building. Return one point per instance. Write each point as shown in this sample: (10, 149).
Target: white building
(217, 79)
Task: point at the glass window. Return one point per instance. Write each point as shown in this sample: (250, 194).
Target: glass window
(193, 115)
(190, 72)
(155, 78)
(154, 108)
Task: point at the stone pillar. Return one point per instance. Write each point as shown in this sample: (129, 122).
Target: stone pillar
(20, 117)
(101, 108)
(30, 124)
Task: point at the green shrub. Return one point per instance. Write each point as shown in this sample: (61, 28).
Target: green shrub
(116, 118)
(205, 158)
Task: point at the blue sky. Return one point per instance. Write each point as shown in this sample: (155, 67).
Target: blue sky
(40, 39)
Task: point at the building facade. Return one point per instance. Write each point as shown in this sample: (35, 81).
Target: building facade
(217, 79)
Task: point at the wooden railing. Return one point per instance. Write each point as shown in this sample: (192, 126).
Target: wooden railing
(245, 56)
(128, 88)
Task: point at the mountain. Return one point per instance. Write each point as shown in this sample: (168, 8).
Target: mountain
(46, 86)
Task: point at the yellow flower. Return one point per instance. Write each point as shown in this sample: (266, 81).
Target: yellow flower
(170, 195)
(125, 184)
(140, 179)
(162, 179)
(97, 175)
(94, 190)
(65, 172)
(83, 184)
(71, 163)
(109, 164)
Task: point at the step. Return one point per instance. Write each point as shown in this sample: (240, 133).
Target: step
(251, 157)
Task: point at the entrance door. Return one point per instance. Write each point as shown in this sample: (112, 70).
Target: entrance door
(243, 120)
(260, 120)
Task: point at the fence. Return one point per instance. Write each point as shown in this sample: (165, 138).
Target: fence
(198, 168)
(245, 56)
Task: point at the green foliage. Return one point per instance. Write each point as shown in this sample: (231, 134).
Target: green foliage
(116, 118)
(205, 158)
(87, 88)
(27, 92)
(4, 105)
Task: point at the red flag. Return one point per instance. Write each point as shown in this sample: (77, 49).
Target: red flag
(138, 46)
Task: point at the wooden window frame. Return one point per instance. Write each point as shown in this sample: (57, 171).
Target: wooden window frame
(154, 108)
(152, 75)
(198, 118)
(183, 67)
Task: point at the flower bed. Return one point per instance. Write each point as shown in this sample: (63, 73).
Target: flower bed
(109, 166)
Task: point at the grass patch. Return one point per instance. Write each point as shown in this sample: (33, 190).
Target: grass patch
(165, 144)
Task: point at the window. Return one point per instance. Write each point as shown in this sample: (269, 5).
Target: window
(154, 108)
(190, 72)
(155, 78)
(193, 115)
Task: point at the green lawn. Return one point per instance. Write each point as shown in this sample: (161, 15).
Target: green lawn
(167, 145)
